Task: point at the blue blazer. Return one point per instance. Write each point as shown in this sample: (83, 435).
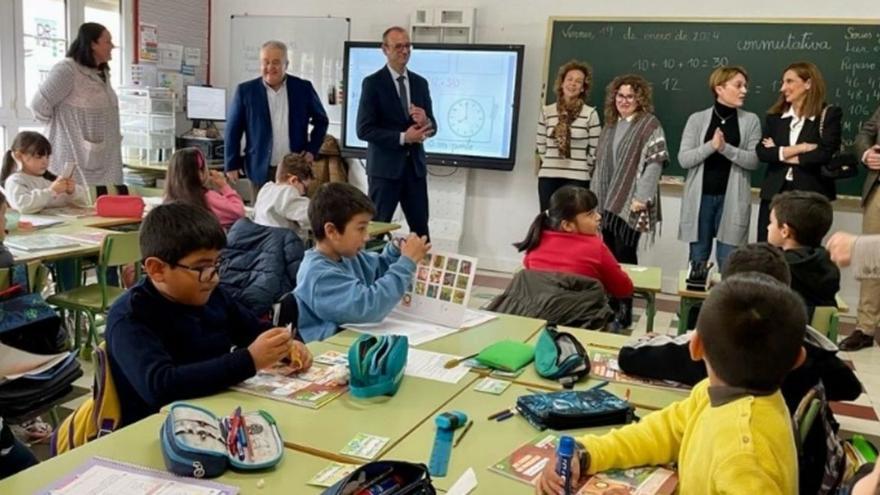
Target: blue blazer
(249, 114)
(381, 119)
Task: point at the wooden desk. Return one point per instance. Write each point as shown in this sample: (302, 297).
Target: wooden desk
(139, 444)
(647, 282)
(327, 430)
(468, 341)
(488, 441)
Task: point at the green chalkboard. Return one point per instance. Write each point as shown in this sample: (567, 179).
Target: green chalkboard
(677, 56)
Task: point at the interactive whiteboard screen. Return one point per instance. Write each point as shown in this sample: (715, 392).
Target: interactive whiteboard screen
(204, 103)
(475, 93)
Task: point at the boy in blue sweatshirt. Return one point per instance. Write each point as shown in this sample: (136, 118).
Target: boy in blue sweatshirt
(176, 335)
(337, 281)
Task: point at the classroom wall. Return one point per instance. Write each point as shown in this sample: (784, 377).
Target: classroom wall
(504, 203)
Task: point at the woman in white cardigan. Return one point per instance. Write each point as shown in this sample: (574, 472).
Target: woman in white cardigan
(81, 111)
(568, 131)
(718, 152)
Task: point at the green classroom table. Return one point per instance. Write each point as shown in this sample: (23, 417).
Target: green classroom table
(139, 444)
(486, 443)
(327, 430)
(468, 341)
(647, 282)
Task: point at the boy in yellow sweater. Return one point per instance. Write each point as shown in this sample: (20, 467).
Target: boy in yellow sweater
(733, 434)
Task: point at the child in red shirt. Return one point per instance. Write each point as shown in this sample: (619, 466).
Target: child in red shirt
(565, 238)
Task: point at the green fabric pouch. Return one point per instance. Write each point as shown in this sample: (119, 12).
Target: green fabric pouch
(506, 355)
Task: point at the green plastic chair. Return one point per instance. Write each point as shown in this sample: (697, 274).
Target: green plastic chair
(826, 320)
(95, 299)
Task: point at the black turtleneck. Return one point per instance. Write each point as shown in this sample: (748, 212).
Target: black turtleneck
(716, 168)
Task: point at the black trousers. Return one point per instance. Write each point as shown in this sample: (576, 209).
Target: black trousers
(625, 253)
(548, 185)
(410, 191)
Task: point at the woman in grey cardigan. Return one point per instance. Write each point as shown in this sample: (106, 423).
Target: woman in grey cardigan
(718, 151)
(81, 111)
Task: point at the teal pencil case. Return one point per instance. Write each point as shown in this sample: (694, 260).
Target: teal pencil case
(198, 444)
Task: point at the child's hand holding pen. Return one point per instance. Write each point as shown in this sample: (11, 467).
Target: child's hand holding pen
(300, 356)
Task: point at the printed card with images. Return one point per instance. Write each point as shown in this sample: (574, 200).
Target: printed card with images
(492, 386)
(365, 446)
(331, 474)
(441, 289)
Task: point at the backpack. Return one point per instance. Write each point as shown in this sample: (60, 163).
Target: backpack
(821, 457)
(99, 415)
(560, 356)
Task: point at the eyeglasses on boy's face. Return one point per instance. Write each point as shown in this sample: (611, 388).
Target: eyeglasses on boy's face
(205, 273)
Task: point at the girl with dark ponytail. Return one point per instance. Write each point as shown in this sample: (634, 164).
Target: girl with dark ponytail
(565, 238)
(30, 187)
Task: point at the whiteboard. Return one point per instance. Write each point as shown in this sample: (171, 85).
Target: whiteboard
(315, 48)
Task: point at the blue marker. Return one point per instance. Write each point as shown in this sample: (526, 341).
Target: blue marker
(564, 453)
(242, 443)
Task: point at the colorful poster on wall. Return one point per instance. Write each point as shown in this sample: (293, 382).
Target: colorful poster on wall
(149, 43)
(170, 56)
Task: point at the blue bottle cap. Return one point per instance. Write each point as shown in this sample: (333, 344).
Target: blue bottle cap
(565, 447)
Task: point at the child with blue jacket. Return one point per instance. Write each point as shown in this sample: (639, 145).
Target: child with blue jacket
(338, 282)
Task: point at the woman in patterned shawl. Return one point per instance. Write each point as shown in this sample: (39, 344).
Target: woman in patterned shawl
(630, 156)
(81, 111)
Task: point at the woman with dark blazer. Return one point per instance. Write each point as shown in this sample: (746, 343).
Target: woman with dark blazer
(794, 147)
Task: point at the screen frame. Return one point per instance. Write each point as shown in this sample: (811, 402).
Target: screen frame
(443, 159)
(188, 106)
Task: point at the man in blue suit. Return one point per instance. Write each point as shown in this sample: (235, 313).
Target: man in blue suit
(394, 118)
(274, 111)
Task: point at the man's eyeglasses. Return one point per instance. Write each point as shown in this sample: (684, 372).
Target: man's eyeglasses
(205, 273)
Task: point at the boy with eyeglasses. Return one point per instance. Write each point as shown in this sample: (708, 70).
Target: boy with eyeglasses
(176, 335)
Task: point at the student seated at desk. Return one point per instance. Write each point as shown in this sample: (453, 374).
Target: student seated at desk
(284, 203)
(668, 358)
(169, 337)
(733, 433)
(565, 238)
(798, 221)
(190, 181)
(29, 184)
(6, 258)
(338, 282)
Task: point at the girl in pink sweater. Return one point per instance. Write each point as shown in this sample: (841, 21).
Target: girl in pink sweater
(190, 181)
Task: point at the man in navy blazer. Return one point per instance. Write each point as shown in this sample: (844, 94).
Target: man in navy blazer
(394, 118)
(274, 111)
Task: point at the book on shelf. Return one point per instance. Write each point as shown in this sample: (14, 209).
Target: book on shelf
(312, 388)
(527, 462)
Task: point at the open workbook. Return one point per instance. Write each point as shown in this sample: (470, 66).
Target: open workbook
(435, 302)
(529, 460)
(324, 381)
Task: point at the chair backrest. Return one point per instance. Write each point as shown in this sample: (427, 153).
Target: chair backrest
(285, 311)
(37, 275)
(825, 321)
(118, 250)
(245, 188)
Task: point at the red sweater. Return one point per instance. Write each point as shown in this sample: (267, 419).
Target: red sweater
(579, 254)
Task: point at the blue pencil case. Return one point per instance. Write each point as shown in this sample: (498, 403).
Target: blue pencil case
(198, 444)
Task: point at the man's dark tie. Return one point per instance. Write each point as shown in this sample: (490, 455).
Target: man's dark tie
(404, 98)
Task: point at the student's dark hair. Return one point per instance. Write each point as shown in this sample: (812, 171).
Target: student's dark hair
(565, 204)
(184, 179)
(81, 48)
(808, 213)
(172, 231)
(752, 328)
(337, 203)
(758, 257)
(294, 164)
(27, 143)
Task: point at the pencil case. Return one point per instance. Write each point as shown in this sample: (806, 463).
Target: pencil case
(198, 444)
(574, 409)
(119, 206)
(506, 355)
(386, 477)
(377, 364)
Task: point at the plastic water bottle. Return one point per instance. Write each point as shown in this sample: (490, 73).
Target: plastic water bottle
(564, 453)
